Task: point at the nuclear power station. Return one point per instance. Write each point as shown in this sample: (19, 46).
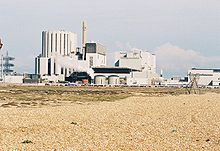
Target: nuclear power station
(62, 60)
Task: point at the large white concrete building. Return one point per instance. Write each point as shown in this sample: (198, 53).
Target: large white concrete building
(142, 62)
(60, 56)
(58, 50)
(58, 43)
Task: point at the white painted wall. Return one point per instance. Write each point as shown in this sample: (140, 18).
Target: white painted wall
(58, 42)
(96, 60)
(133, 63)
(137, 59)
(205, 76)
(13, 79)
(43, 62)
(53, 78)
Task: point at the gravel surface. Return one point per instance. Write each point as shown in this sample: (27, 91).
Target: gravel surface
(184, 122)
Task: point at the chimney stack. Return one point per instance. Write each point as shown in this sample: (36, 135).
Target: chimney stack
(84, 38)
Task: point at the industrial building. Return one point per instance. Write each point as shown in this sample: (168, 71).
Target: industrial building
(136, 59)
(201, 76)
(60, 56)
(143, 66)
(112, 75)
(58, 43)
(206, 77)
(55, 46)
(174, 82)
(132, 68)
(61, 60)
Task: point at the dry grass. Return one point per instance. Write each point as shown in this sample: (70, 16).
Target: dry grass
(40, 96)
(30, 96)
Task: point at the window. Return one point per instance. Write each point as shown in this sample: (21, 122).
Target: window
(49, 66)
(51, 42)
(54, 68)
(48, 44)
(38, 64)
(67, 44)
(64, 44)
(60, 42)
(90, 62)
(62, 70)
(56, 43)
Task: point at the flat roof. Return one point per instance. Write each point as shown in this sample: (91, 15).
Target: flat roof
(214, 70)
(120, 70)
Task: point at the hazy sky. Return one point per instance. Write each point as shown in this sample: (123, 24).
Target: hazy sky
(182, 33)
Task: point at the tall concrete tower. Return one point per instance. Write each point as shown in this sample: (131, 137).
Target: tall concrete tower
(84, 34)
(84, 39)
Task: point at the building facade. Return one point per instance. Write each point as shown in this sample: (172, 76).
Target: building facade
(60, 57)
(95, 54)
(58, 50)
(136, 59)
(140, 60)
(206, 77)
(58, 43)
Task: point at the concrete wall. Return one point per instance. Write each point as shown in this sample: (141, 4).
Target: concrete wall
(41, 65)
(206, 76)
(96, 60)
(58, 42)
(13, 79)
(133, 63)
(137, 59)
(53, 78)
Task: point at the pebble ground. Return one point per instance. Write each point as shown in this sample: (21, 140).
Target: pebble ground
(184, 122)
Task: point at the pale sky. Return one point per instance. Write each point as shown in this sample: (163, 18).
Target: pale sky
(187, 29)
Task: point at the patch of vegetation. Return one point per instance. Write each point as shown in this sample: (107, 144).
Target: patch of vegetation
(38, 96)
(74, 123)
(27, 142)
(9, 104)
(174, 131)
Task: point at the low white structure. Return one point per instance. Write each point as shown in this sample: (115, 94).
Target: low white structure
(139, 78)
(53, 78)
(110, 74)
(100, 80)
(174, 82)
(114, 80)
(206, 77)
(13, 79)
